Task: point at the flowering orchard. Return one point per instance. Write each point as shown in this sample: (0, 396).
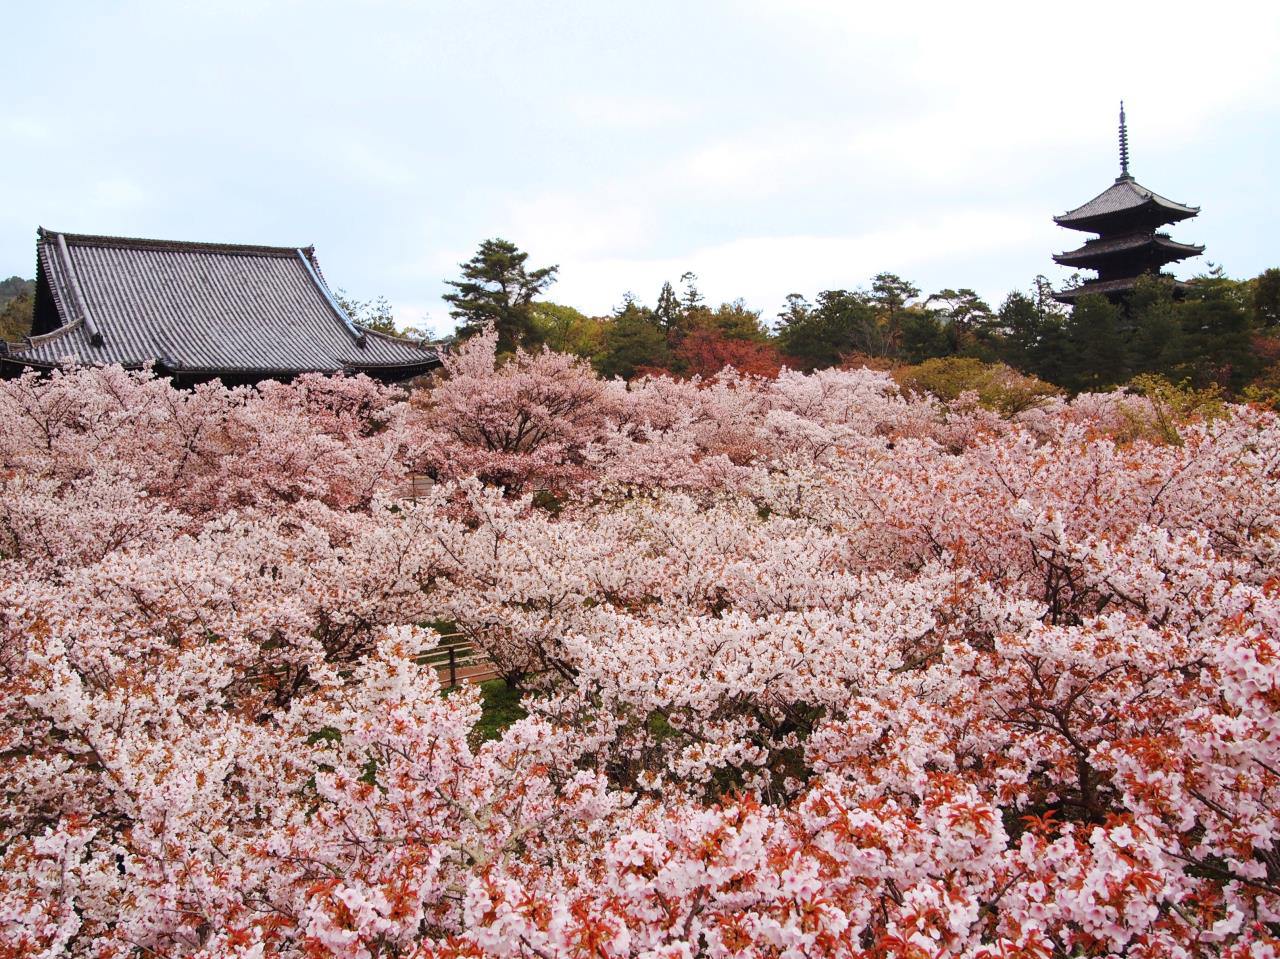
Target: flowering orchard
(812, 668)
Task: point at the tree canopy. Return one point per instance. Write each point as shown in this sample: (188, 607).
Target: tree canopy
(497, 288)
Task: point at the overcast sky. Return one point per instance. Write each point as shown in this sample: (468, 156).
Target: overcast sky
(769, 147)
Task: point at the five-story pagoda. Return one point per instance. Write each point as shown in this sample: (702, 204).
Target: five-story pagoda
(1126, 217)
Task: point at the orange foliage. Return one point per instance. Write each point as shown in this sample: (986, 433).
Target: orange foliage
(705, 352)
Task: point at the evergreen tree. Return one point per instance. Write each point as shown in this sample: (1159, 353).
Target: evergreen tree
(692, 298)
(803, 335)
(632, 341)
(1155, 343)
(923, 336)
(1216, 339)
(1020, 325)
(1094, 357)
(891, 294)
(15, 317)
(497, 288)
(1049, 359)
(669, 311)
(17, 305)
(376, 314)
(964, 314)
(856, 325)
(14, 287)
(1266, 300)
(734, 321)
(821, 335)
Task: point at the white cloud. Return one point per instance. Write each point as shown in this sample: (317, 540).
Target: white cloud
(417, 315)
(116, 194)
(764, 269)
(627, 112)
(590, 222)
(25, 128)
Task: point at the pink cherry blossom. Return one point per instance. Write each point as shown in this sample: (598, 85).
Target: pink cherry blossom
(811, 667)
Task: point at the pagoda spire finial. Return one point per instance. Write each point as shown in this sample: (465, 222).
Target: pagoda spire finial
(1124, 145)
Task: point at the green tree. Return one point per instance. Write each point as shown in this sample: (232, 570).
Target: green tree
(1266, 299)
(964, 314)
(632, 340)
(566, 330)
(1094, 356)
(923, 336)
(891, 293)
(14, 287)
(670, 311)
(692, 298)
(497, 288)
(841, 323)
(15, 317)
(17, 306)
(734, 321)
(376, 314)
(1155, 342)
(1029, 331)
(1020, 326)
(1217, 342)
(1214, 284)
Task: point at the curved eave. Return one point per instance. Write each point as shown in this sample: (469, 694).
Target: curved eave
(1165, 251)
(1125, 201)
(1110, 288)
(1151, 213)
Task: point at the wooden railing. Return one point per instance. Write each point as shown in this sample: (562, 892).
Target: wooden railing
(417, 487)
(457, 661)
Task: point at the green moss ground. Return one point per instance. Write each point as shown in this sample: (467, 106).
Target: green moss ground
(501, 707)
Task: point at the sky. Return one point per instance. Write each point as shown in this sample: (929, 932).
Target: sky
(768, 147)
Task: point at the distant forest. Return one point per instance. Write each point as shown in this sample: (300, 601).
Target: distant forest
(1220, 335)
(17, 297)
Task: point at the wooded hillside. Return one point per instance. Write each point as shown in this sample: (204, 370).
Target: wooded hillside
(17, 297)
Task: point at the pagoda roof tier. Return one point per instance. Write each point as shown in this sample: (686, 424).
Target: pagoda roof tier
(1152, 247)
(1112, 289)
(1125, 201)
(197, 310)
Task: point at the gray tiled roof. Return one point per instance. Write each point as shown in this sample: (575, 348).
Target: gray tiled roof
(1126, 194)
(201, 307)
(1133, 241)
(1105, 287)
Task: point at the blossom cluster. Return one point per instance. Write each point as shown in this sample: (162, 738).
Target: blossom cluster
(811, 667)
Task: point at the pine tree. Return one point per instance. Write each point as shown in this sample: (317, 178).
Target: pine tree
(669, 312)
(497, 288)
(891, 293)
(1217, 343)
(1266, 299)
(1020, 327)
(632, 342)
(1155, 342)
(692, 298)
(1095, 357)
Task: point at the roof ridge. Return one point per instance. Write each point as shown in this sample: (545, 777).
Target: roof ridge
(177, 246)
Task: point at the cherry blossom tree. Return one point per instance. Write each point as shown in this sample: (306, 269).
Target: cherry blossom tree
(812, 666)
